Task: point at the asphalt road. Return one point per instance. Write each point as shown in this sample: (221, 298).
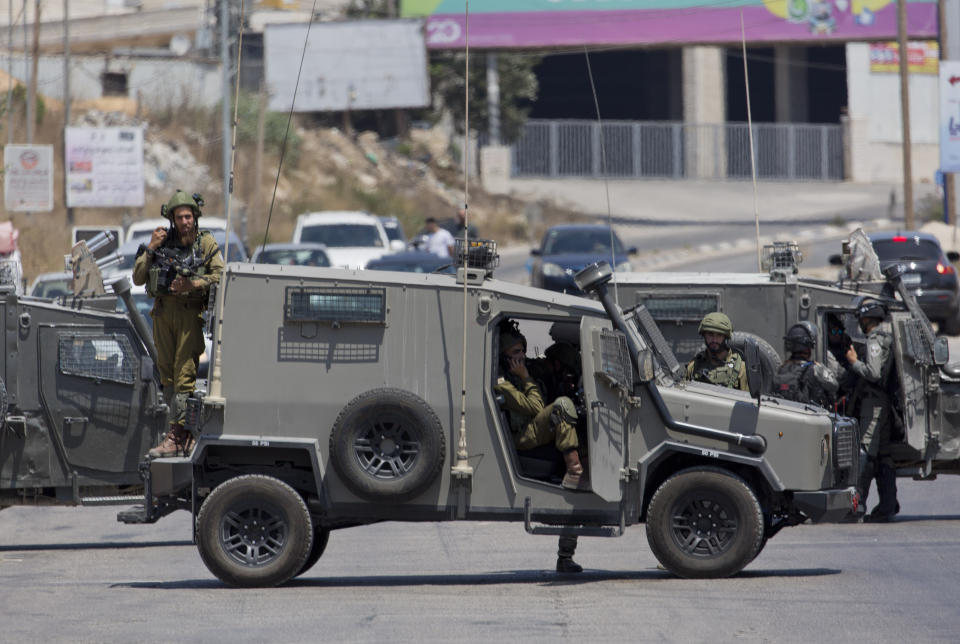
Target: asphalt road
(75, 575)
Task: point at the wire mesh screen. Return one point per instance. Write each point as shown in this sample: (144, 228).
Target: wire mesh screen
(615, 358)
(97, 356)
(314, 304)
(917, 345)
(679, 307)
(293, 347)
(649, 328)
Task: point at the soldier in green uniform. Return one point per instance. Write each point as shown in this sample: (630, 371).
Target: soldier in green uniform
(533, 422)
(178, 267)
(718, 363)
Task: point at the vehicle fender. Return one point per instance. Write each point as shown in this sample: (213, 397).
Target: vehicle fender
(651, 472)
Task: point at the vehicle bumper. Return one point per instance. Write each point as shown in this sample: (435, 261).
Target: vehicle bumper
(827, 506)
(937, 304)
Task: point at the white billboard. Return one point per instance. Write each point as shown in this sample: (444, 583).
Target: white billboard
(950, 115)
(28, 178)
(104, 167)
(370, 64)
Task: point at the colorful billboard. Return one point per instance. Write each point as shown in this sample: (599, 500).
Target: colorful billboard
(506, 24)
(922, 57)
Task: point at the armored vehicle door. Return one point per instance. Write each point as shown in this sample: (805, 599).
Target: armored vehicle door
(913, 357)
(93, 388)
(607, 380)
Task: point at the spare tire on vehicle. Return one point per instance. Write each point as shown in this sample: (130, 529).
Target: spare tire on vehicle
(387, 444)
(769, 358)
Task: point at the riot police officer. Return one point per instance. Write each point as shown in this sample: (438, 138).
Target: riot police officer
(178, 267)
(800, 378)
(874, 408)
(718, 363)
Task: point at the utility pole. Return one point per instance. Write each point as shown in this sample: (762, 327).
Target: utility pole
(226, 93)
(66, 102)
(34, 68)
(905, 115)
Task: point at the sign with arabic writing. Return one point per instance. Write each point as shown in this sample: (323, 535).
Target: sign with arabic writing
(104, 167)
(28, 178)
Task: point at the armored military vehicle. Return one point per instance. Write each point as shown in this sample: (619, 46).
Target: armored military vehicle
(764, 306)
(79, 392)
(348, 397)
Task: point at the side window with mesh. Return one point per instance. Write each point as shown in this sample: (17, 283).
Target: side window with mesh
(97, 356)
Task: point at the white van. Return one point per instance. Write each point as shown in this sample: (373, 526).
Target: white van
(352, 238)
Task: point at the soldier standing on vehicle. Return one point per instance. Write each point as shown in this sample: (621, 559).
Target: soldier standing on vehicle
(799, 378)
(178, 267)
(718, 363)
(874, 408)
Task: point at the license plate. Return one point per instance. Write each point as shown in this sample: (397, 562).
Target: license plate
(911, 279)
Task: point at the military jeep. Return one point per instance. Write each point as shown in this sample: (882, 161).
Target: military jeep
(763, 306)
(348, 397)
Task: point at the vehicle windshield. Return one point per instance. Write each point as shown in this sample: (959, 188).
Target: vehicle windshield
(343, 235)
(393, 233)
(559, 242)
(52, 288)
(906, 248)
(294, 257)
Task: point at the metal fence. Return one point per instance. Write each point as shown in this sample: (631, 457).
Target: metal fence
(673, 150)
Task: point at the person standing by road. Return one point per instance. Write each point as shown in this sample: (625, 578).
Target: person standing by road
(874, 408)
(718, 363)
(460, 226)
(439, 240)
(800, 378)
(178, 267)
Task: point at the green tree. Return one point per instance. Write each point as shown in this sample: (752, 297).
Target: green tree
(518, 89)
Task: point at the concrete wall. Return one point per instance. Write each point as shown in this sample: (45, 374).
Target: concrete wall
(159, 82)
(875, 123)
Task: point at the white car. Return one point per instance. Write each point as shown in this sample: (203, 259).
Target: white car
(140, 231)
(352, 238)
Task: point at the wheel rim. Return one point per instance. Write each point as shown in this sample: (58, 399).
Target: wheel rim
(386, 449)
(254, 535)
(704, 526)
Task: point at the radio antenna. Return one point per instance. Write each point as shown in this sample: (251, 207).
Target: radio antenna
(753, 159)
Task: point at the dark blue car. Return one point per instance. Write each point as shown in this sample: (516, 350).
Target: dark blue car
(568, 248)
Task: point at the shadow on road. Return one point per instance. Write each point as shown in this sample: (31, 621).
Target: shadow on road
(105, 545)
(539, 577)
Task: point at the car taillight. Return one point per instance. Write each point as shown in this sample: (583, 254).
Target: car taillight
(899, 238)
(944, 269)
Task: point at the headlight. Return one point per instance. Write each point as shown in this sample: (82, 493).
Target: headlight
(552, 270)
(623, 267)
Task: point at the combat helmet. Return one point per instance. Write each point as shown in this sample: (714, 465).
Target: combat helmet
(564, 353)
(871, 308)
(716, 322)
(802, 335)
(181, 198)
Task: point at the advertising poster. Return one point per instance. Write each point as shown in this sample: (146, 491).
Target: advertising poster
(104, 167)
(922, 57)
(950, 115)
(28, 178)
(504, 24)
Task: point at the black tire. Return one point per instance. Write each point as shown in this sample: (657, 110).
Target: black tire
(769, 358)
(254, 531)
(320, 538)
(950, 326)
(704, 523)
(387, 444)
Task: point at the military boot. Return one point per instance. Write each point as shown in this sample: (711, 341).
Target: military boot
(565, 549)
(176, 442)
(575, 478)
(888, 506)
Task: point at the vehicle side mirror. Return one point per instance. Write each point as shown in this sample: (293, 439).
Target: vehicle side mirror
(397, 245)
(633, 250)
(953, 256)
(645, 367)
(836, 260)
(941, 351)
(751, 355)
(535, 252)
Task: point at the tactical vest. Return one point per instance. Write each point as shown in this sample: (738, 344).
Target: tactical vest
(725, 375)
(194, 253)
(790, 382)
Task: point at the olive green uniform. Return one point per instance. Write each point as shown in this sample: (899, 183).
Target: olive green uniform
(533, 423)
(178, 322)
(730, 372)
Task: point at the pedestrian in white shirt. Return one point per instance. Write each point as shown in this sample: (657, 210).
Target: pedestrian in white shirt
(440, 242)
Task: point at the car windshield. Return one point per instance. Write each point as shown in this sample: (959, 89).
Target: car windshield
(294, 257)
(906, 248)
(559, 242)
(393, 232)
(52, 288)
(343, 235)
